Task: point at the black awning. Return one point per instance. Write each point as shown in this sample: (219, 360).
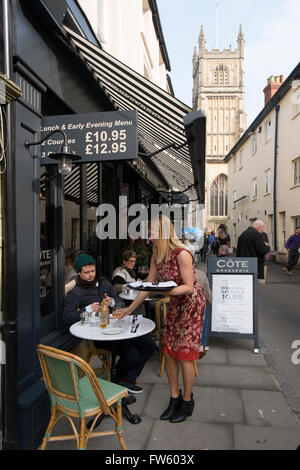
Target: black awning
(160, 115)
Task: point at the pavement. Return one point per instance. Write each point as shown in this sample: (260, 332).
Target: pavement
(239, 405)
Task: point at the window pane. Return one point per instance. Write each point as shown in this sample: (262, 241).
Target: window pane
(46, 246)
(221, 203)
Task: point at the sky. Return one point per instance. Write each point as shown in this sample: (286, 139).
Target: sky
(272, 40)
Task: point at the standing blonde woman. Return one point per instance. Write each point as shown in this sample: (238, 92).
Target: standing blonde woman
(183, 328)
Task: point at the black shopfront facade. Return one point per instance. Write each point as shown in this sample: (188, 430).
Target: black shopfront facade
(54, 81)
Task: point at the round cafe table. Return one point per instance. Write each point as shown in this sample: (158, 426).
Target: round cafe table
(95, 333)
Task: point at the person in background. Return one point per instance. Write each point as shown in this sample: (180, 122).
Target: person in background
(215, 246)
(205, 247)
(223, 238)
(190, 246)
(125, 273)
(250, 244)
(265, 238)
(204, 284)
(292, 246)
(70, 272)
(224, 228)
(223, 251)
(211, 238)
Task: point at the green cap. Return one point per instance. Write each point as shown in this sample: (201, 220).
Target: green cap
(83, 260)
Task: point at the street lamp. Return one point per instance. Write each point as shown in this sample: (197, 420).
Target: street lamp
(65, 156)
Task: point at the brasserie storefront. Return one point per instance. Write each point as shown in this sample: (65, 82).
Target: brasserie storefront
(52, 54)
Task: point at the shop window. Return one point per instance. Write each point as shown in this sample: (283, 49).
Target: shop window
(268, 181)
(47, 245)
(296, 222)
(282, 225)
(296, 165)
(254, 188)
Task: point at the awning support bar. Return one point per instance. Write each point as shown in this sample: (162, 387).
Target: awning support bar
(173, 145)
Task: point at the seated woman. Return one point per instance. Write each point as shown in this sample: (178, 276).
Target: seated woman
(125, 274)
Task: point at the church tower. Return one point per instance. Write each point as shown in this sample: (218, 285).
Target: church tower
(218, 91)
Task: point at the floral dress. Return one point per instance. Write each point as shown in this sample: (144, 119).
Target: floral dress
(185, 317)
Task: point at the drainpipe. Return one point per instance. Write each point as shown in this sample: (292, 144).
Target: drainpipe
(10, 412)
(277, 108)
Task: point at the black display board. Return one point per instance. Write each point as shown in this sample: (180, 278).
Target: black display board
(106, 136)
(234, 309)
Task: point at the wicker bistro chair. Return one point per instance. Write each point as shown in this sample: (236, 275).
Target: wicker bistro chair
(161, 308)
(76, 397)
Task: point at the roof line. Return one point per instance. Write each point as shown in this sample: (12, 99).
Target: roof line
(276, 98)
(159, 33)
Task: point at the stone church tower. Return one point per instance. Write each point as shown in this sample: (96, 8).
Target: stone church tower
(218, 91)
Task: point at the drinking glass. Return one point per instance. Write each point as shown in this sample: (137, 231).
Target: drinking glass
(117, 306)
(84, 318)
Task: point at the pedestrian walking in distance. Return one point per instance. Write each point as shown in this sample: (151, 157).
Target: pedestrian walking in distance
(292, 246)
(251, 245)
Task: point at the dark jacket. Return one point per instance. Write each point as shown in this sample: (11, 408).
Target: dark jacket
(251, 245)
(205, 245)
(82, 296)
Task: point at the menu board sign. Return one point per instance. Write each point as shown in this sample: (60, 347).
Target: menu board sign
(95, 137)
(232, 308)
(233, 312)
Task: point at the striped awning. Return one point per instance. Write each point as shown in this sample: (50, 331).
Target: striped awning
(160, 115)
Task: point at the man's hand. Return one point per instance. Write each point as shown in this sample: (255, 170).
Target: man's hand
(95, 306)
(108, 299)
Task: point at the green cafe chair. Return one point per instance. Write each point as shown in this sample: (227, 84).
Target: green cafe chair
(76, 392)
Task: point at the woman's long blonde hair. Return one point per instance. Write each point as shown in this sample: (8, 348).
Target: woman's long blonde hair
(168, 239)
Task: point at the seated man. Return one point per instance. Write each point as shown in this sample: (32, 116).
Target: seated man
(87, 295)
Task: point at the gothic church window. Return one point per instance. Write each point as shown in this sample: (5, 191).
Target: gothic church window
(221, 75)
(219, 197)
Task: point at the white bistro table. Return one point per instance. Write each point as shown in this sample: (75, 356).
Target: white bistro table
(95, 333)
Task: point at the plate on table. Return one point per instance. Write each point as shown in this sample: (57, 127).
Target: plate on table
(148, 286)
(111, 330)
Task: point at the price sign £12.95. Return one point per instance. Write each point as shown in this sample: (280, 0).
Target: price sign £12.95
(106, 136)
(106, 142)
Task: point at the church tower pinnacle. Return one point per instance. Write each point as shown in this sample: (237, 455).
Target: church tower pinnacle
(241, 42)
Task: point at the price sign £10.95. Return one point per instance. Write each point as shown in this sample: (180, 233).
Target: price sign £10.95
(106, 142)
(95, 137)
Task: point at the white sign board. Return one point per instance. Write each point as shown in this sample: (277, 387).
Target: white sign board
(232, 307)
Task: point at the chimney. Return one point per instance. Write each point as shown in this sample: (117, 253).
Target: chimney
(273, 84)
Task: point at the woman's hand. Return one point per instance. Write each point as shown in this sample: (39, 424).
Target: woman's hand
(122, 312)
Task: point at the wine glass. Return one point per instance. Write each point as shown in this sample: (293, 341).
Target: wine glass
(115, 316)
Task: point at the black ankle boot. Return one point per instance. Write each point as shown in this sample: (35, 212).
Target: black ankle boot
(173, 406)
(185, 409)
